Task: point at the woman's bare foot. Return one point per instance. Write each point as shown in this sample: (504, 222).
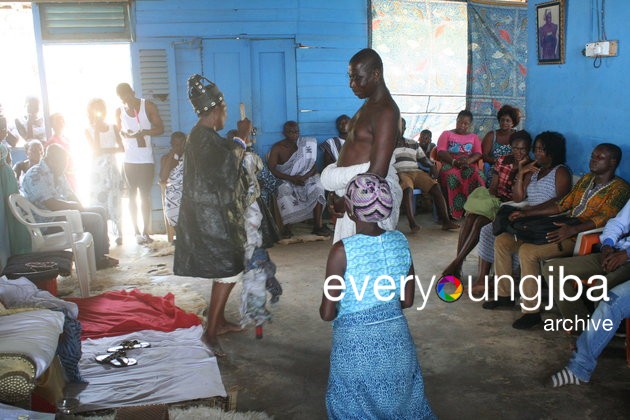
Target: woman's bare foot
(213, 344)
(228, 327)
(450, 225)
(414, 229)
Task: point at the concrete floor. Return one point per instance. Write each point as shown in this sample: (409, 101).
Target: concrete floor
(475, 364)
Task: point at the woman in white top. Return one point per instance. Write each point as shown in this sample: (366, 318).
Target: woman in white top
(138, 120)
(106, 179)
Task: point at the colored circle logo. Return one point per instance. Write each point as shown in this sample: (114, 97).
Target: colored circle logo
(449, 289)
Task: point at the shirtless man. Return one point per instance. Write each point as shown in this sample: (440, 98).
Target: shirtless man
(300, 195)
(372, 135)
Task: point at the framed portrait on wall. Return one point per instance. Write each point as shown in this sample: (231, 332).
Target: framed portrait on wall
(550, 24)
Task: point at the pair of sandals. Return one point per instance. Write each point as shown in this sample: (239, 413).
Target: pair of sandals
(117, 355)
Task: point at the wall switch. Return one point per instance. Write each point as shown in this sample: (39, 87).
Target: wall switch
(601, 49)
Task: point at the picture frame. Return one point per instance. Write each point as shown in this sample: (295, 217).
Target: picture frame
(550, 30)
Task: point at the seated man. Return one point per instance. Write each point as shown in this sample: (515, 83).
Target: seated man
(407, 154)
(45, 186)
(301, 194)
(426, 145)
(332, 146)
(613, 262)
(597, 196)
(592, 341)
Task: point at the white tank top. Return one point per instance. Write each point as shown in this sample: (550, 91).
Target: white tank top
(107, 139)
(135, 123)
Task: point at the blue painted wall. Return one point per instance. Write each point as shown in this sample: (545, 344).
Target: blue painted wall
(329, 33)
(587, 105)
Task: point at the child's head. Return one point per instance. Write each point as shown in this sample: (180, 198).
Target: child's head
(178, 140)
(369, 198)
(425, 137)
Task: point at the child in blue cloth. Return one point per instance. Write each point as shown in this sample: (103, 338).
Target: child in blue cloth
(374, 370)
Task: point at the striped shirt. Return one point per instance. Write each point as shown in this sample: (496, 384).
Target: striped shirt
(406, 157)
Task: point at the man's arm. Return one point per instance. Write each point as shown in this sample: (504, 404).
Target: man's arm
(426, 162)
(118, 120)
(157, 126)
(54, 204)
(385, 132)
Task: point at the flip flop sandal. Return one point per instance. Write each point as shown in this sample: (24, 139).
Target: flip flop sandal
(129, 345)
(116, 359)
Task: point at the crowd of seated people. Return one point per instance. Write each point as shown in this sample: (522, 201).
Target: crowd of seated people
(533, 177)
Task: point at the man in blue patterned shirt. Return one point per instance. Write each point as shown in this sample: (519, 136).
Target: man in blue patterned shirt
(46, 186)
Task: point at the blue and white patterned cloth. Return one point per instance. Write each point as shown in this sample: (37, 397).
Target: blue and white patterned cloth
(374, 369)
(40, 184)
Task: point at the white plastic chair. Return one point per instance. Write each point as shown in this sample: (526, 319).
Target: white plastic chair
(71, 236)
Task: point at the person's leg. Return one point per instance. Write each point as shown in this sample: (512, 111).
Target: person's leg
(100, 223)
(485, 250)
(504, 246)
(408, 205)
(216, 322)
(146, 182)
(582, 267)
(131, 177)
(94, 222)
(530, 256)
(406, 183)
(442, 210)
(470, 234)
(592, 342)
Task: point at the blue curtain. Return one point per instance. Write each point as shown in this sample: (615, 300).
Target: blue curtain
(497, 62)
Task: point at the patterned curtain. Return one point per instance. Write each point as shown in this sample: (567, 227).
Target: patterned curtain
(497, 61)
(423, 44)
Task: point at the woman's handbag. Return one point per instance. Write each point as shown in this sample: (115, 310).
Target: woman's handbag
(534, 229)
(501, 220)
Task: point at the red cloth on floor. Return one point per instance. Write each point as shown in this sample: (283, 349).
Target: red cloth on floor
(120, 312)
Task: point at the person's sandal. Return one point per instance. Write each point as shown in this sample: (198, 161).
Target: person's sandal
(116, 359)
(129, 345)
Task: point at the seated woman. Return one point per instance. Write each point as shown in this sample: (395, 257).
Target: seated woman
(34, 151)
(459, 151)
(497, 142)
(545, 179)
(483, 203)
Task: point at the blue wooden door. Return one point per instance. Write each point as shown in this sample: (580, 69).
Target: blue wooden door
(261, 75)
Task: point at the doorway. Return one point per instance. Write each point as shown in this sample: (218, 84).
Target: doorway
(261, 75)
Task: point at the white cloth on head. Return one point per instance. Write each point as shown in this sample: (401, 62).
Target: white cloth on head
(336, 179)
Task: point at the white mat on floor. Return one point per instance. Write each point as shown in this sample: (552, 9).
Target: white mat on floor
(177, 367)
